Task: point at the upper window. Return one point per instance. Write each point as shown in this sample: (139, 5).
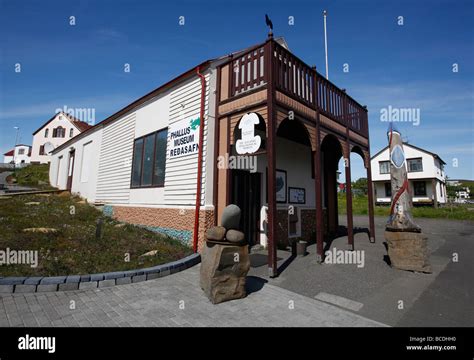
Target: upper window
(384, 167)
(71, 132)
(415, 165)
(149, 160)
(21, 151)
(59, 132)
(46, 133)
(419, 188)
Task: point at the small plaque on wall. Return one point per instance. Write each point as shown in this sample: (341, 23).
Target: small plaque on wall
(296, 195)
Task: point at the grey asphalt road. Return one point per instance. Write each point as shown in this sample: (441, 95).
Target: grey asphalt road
(381, 293)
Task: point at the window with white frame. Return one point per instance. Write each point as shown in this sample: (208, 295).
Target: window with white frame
(415, 165)
(384, 167)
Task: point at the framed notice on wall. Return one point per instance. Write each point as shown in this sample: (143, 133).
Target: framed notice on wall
(296, 195)
(280, 185)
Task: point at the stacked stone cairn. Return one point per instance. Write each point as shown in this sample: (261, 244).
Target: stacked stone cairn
(225, 259)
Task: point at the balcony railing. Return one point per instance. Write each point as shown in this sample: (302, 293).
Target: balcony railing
(248, 71)
(297, 80)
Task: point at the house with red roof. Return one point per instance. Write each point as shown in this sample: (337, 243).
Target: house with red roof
(20, 154)
(53, 133)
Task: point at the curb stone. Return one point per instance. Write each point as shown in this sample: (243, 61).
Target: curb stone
(18, 284)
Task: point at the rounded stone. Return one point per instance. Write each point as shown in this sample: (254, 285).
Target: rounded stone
(231, 217)
(215, 233)
(235, 236)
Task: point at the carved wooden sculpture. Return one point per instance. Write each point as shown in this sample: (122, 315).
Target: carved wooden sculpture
(400, 212)
(407, 246)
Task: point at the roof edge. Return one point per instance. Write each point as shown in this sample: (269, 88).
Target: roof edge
(202, 66)
(413, 146)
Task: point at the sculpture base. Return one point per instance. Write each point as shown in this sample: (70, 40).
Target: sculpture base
(408, 250)
(224, 268)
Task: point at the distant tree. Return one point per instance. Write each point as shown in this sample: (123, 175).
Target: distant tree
(360, 185)
(451, 191)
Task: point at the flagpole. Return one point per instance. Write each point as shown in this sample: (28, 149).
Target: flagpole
(326, 44)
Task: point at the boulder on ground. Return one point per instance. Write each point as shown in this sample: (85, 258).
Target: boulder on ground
(408, 250)
(224, 270)
(150, 253)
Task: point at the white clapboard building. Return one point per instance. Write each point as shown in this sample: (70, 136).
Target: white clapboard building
(267, 127)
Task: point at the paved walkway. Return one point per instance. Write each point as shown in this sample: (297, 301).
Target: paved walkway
(379, 292)
(174, 300)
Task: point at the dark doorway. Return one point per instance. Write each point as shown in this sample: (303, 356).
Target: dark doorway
(70, 171)
(332, 152)
(246, 195)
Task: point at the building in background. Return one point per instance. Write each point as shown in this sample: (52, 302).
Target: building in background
(426, 176)
(55, 132)
(21, 154)
(462, 195)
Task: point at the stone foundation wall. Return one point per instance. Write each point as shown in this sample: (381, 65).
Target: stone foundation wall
(175, 222)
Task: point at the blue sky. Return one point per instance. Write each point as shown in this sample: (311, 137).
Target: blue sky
(408, 66)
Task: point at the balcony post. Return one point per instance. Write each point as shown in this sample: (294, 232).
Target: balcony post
(370, 195)
(370, 190)
(318, 178)
(271, 162)
(347, 165)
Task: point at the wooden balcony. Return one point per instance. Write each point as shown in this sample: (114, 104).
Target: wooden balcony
(248, 72)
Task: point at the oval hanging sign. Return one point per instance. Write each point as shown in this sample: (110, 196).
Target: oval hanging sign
(249, 143)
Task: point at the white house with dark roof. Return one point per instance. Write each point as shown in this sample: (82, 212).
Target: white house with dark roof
(55, 132)
(426, 176)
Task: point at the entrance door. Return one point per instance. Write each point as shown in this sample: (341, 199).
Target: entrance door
(70, 170)
(246, 195)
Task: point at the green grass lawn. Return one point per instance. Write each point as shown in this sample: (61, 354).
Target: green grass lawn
(451, 211)
(74, 249)
(34, 175)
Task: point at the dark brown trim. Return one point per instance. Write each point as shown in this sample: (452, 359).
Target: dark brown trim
(337, 133)
(350, 222)
(244, 94)
(319, 195)
(244, 109)
(228, 177)
(370, 191)
(217, 123)
(271, 163)
(299, 115)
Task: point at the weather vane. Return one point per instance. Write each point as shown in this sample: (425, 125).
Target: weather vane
(270, 25)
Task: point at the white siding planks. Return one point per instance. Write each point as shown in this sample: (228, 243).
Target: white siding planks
(115, 162)
(181, 173)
